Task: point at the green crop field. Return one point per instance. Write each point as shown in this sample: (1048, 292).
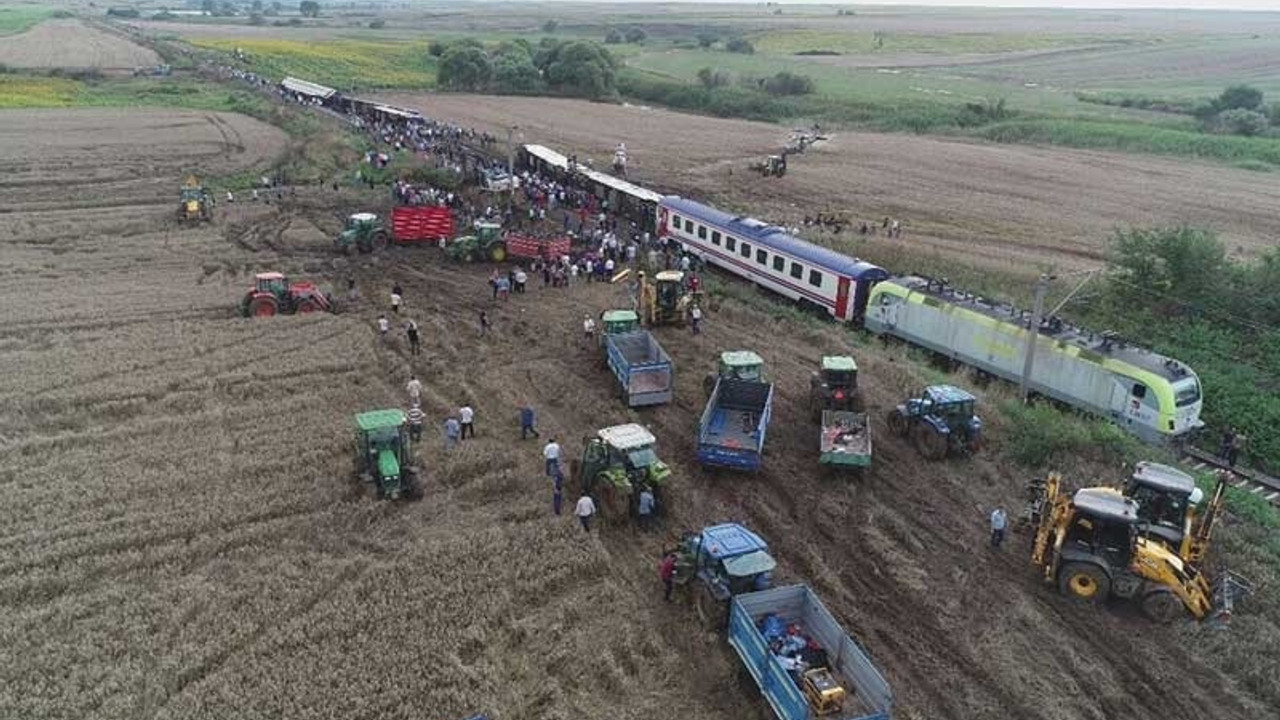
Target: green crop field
(790, 42)
(20, 18)
(343, 63)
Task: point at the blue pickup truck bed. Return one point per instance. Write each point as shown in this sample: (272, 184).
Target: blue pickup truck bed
(732, 430)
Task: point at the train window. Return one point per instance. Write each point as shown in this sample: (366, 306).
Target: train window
(715, 237)
(1139, 391)
(730, 243)
(688, 226)
(675, 221)
(762, 257)
(702, 232)
(797, 271)
(779, 263)
(745, 250)
(815, 278)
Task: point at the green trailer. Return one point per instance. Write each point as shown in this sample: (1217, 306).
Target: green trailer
(846, 439)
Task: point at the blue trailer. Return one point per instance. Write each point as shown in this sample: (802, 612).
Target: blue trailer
(844, 685)
(642, 367)
(731, 432)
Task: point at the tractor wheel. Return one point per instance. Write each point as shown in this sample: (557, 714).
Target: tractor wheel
(263, 307)
(470, 257)
(931, 443)
(1084, 582)
(1162, 606)
(711, 612)
(380, 240)
(307, 306)
(498, 252)
(897, 423)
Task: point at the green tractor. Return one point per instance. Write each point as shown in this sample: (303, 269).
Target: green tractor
(383, 454)
(365, 231)
(485, 244)
(616, 465)
(835, 387)
(735, 365)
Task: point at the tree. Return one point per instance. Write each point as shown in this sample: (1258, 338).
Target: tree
(1183, 263)
(635, 35)
(740, 45)
(706, 40)
(785, 83)
(550, 26)
(435, 48)
(464, 68)
(712, 79)
(613, 38)
(309, 8)
(580, 68)
(1239, 97)
(1239, 121)
(515, 74)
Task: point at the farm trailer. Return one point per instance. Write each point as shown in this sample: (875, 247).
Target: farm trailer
(732, 430)
(851, 688)
(642, 368)
(846, 439)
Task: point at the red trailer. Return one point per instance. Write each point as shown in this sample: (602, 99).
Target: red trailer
(525, 246)
(412, 223)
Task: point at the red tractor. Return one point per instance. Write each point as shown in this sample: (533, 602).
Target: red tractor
(275, 295)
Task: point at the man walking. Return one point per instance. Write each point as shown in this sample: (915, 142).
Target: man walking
(998, 522)
(411, 330)
(695, 319)
(588, 329)
(484, 323)
(397, 297)
(557, 494)
(1227, 450)
(585, 508)
(667, 571)
(551, 454)
(416, 416)
(647, 505)
(384, 326)
(451, 432)
(526, 423)
(467, 415)
(414, 388)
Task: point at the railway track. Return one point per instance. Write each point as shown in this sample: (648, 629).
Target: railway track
(1260, 484)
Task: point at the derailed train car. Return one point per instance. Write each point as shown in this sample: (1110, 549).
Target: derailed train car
(1152, 396)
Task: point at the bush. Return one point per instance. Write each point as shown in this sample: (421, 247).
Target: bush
(740, 45)
(256, 19)
(706, 40)
(126, 13)
(464, 68)
(436, 49)
(613, 38)
(635, 35)
(550, 26)
(294, 22)
(377, 24)
(1240, 121)
(713, 78)
(785, 83)
(1041, 435)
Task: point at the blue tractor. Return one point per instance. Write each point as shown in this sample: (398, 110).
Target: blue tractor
(939, 422)
(719, 562)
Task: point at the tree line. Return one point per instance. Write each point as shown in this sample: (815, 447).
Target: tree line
(576, 68)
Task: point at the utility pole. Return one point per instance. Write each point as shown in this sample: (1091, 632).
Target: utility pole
(1033, 334)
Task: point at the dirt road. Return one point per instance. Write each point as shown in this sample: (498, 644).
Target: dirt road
(1007, 207)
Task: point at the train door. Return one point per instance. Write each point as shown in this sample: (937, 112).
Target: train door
(842, 299)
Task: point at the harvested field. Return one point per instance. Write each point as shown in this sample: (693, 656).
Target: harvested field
(1012, 208)
(184, 538)
(72, 44)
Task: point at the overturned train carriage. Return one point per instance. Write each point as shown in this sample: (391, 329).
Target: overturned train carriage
(1152, 396)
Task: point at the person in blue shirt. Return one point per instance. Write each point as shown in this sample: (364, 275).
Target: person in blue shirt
(526, 423)
(647, 505)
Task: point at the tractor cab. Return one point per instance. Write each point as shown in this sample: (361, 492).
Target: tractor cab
(383, 452)
(948, 404)
(741, 365)
(835, 387)
(363, 220)
(1165, 497)
(728, 559)
(622, 456)
(487, 232)
(616, 322)
(670, 289)
(272, 282)
(1102, 526)
(365, 231)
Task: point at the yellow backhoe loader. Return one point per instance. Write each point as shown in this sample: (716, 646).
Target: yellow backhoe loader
(665, 300)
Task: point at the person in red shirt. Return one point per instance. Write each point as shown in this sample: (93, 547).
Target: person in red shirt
(667, 571)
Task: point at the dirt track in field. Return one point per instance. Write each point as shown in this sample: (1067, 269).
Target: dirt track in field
(72, 44)
(1007, 207)
(183, 537)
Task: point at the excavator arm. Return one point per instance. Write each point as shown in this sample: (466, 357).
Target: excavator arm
(1195, 544)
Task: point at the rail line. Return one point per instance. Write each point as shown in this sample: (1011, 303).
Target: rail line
(1252, 481)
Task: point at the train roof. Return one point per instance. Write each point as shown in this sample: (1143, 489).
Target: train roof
(776, 238)
(559, 160)
(1101, 344)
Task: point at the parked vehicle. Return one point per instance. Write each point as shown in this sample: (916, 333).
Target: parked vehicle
(364, 232)
(846, 439)
(719, 562)
(731, 432)
(940, 422)
(273, 294)
(804, 663)
(421, 223)
(383, 454)
(617, 463)
(642, 368)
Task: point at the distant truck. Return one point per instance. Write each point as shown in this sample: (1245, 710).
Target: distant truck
(732, 429)
(644, 372)
(806, 665)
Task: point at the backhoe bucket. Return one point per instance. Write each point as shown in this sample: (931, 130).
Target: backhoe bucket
(1228, 588)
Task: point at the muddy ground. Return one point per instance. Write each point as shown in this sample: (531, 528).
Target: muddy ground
(1011, 208)
(184, 538)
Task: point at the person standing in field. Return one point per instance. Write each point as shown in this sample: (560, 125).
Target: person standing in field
(585, 508)
(998, 522)
(557, 492)
(646, 506)
(384, 325)
(588, 329)
(416, 417)
(484, 323)
(414, 388)
(667, 571)
(451, 432)
(695, 319)
(352, 293)
(467, 415)
(397, 298)
(411, 330)
(526, 423)
(551, 454)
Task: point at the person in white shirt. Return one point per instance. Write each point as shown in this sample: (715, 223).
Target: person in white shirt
(551, 453)
(415, 389)
(467, 416)
(588, 328)
(384, 325)
(585, 508)
(695, 319)
(608, 267)
(684, 263)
